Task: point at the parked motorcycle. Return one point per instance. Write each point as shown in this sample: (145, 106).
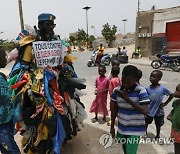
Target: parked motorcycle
(106, 59)
(166, 61)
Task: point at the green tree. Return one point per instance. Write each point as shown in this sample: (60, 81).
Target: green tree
(72, 40)
(6, 45)
(109, 33)
(91, 38)
(80, 37)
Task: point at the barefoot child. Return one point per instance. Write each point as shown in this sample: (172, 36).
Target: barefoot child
(156, 92)
(174, 118)
(114, 82)
(99, 105)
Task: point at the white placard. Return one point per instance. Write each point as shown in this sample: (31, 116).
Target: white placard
(48, 53)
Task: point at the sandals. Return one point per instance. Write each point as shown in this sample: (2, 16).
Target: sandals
(103, 121)
(94, 120)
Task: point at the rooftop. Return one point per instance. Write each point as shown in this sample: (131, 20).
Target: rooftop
(162, 10)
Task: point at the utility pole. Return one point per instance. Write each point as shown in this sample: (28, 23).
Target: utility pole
(93, 27)
(138, 26)
(124, 20)
(87, 8)
(138, 15)
(21, 14)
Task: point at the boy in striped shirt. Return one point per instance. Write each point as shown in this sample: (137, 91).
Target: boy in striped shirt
(130, 105)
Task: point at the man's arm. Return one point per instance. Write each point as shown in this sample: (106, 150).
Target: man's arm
(113, 117)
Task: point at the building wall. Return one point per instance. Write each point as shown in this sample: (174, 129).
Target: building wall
(154, 22)
(144, 27)
(161, 18)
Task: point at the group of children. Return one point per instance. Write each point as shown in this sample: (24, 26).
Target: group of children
(134, 105)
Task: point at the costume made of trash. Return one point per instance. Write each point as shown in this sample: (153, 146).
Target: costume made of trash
(45, 93)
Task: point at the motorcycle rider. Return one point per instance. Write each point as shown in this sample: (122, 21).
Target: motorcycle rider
(124, 51)
(122, 55)
(100, 54)
(119, 51)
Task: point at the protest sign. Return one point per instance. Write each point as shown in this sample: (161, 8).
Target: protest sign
(48, 53)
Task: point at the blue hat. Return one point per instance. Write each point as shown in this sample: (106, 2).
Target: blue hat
(46, 16)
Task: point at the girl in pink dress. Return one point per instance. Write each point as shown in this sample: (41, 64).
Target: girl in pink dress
(99, 105)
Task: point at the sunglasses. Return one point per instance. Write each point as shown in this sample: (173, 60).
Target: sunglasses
(49, 24)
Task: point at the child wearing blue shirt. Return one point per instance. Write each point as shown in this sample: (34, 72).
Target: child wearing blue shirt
(130, 105)
(156, 93)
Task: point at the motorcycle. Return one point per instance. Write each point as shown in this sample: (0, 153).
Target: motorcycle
(106, 59)
(166, 61)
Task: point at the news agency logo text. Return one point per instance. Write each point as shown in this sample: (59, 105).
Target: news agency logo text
(106, 140)
(147, 140)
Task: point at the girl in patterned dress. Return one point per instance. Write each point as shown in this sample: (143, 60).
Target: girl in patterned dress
(99, 105)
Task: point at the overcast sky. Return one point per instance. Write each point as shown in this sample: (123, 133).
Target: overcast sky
(70, 16)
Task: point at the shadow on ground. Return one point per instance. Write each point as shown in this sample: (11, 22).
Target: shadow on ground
(87, 141)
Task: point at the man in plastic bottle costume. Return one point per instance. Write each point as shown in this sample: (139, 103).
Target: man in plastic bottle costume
(46, 111)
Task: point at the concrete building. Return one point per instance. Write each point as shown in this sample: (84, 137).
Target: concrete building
(158, 28)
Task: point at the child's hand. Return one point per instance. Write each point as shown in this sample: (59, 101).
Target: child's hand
(169, 118)
(163, 105)
(122, 94)
(100, 91)
(95, 92)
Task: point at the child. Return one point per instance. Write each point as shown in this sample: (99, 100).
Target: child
(130, 105)
(113, 63)
(156, 92)
(114, 82)
(7, 143)
(174, 118)
(99, 105)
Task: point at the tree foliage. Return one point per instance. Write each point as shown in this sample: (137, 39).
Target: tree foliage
(72, 40)
(6, 45)
(79, 38)
(91, 38)
(109, 33)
